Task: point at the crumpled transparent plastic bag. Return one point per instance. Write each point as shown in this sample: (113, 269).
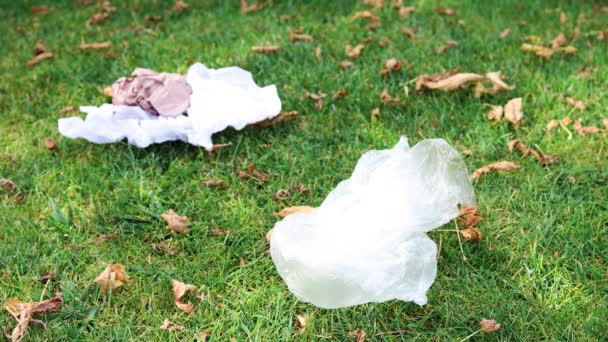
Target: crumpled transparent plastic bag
(220, 98)
(367, 241)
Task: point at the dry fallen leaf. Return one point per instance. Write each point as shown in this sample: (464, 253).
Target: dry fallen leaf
(298, 37)
(265, 49)
(246, 8)
(339, 95)
(300, 188)
(318, 99)
(253, 173)
(179, 6)
(24, 313)
(50, 144)
(544, 159)
(98, 17)
(410, 33)
(406, 11)
(504, 34)
(489, 325)
(386, 98)
(170, 326)
(552, 124)
(179, 290)
(217, 147)
(107, 91)
(446, 11)
(447, 84)
(107, 237)
(7, 184)
(471, 234)
(346, 64)
(547, 52)
(94, 46)
(112, 277)
(300, 323)
(497, 166)
(448, 45)
(39, 58)
(318, 52)
(175, 222)
(284, 116)
(354, 52)
(204, 335)
(293, 210)
(366, 15)
(469, 217)
(559, 41)
(576, 103)
(495, 113)
(165, 248)
(513, 111)
(584, 130)
(357, 335)
(39, 48)
(374, 3)
(281, 195)
(42, 9)
(391, 65)
(214, 183)
(495, 78)
(68, 109)
(376, 113)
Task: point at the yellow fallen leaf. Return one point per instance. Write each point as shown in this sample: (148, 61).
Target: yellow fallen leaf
(112, 277)
(293, 210)
(552, 124)
(513, 110)
(175, 222)
(179, 290)
(497, 166)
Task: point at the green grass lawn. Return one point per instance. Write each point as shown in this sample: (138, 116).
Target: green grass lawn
(541, 269)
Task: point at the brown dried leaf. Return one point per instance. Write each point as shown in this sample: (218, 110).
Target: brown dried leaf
(218, 232)
(214, 183)
(151, 19)
(39, 58)
(293, 210)
(354, 52)
(318, 99)
(300, 188)
(504, 34)
(552, 124)
(339, 95)
(298, 37)
(50, 144)
(386, 98)
(469, 217)
(374, 3)
(471, 234)
(265, 49)
(513, 111)
(576, 103)
(98, 17)
(40, 10)
(179, 6)
(584, 130)
(165, 248)
(559, 41)
(112, 277)
(48, 276)
(448, 45)
(170, 326)
(243, 261)
(204, 335)
(107, 91)
(300, 323)
(281, 195)
(391, 65)
(95, 46)
(107, 237)
(39, 48)
(179, 290)
(346, 64)
(253, 173)
(489, 325)
(544, 159)
(285, 116)
(446, 11)
(539, 50)
(68, 109)
(217, 147)
(318, 52)
(357, 335)
(406, 11)
(497, 166)
(175, 222)
(448, 84)
(410, 33)
(366, 15)
(495, 113)
(565, 121)
(498, 84)
(246, 8)
(376, 113)
(24, 313)
(7, 185)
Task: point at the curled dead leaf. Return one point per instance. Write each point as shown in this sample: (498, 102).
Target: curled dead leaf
(558, 41)
(374, 3)
(471, 234)
(214, 183)
(39, 48)
(547, 52)
(448, 45)
(252, 172)
(50, 144)
(318, 52)
(376, 113)
(504, 33)
(179, 290)
(469, 217)
(339, 95)
(346, 64)
(204, 335)
(299, 37)
(165, 248)
(580, 105)
(450, 83)
(584, 130)
(40, 10)
(112, 277)
(281, 195)
(39, 58)
(410, 33)
(357, 335)
(217, 147)
(366, 15)
(293, 210)
(265, 49)
(246, 7)
(25, 313)
(406, 11)
(354, 52)
(495, 113)
(175, 222)
(386, 98)
(489, 325)
(179, 7)
(497, 166)
(107, 237)
(391, 65)
(98, 17)
(95, 46)
(544, 159)
(284, 116)
(7, 185)
(170, 326)
(552, 124)
(300, 323)
(513, 110)
(318, 99)
(68, 109)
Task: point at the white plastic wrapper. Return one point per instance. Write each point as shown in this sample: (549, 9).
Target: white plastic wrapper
(367, 241)
(220, 98)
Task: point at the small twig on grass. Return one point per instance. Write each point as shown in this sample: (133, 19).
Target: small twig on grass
(460, 241)
(473, 334)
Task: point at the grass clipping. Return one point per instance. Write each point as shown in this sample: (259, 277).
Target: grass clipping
(490, 83)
